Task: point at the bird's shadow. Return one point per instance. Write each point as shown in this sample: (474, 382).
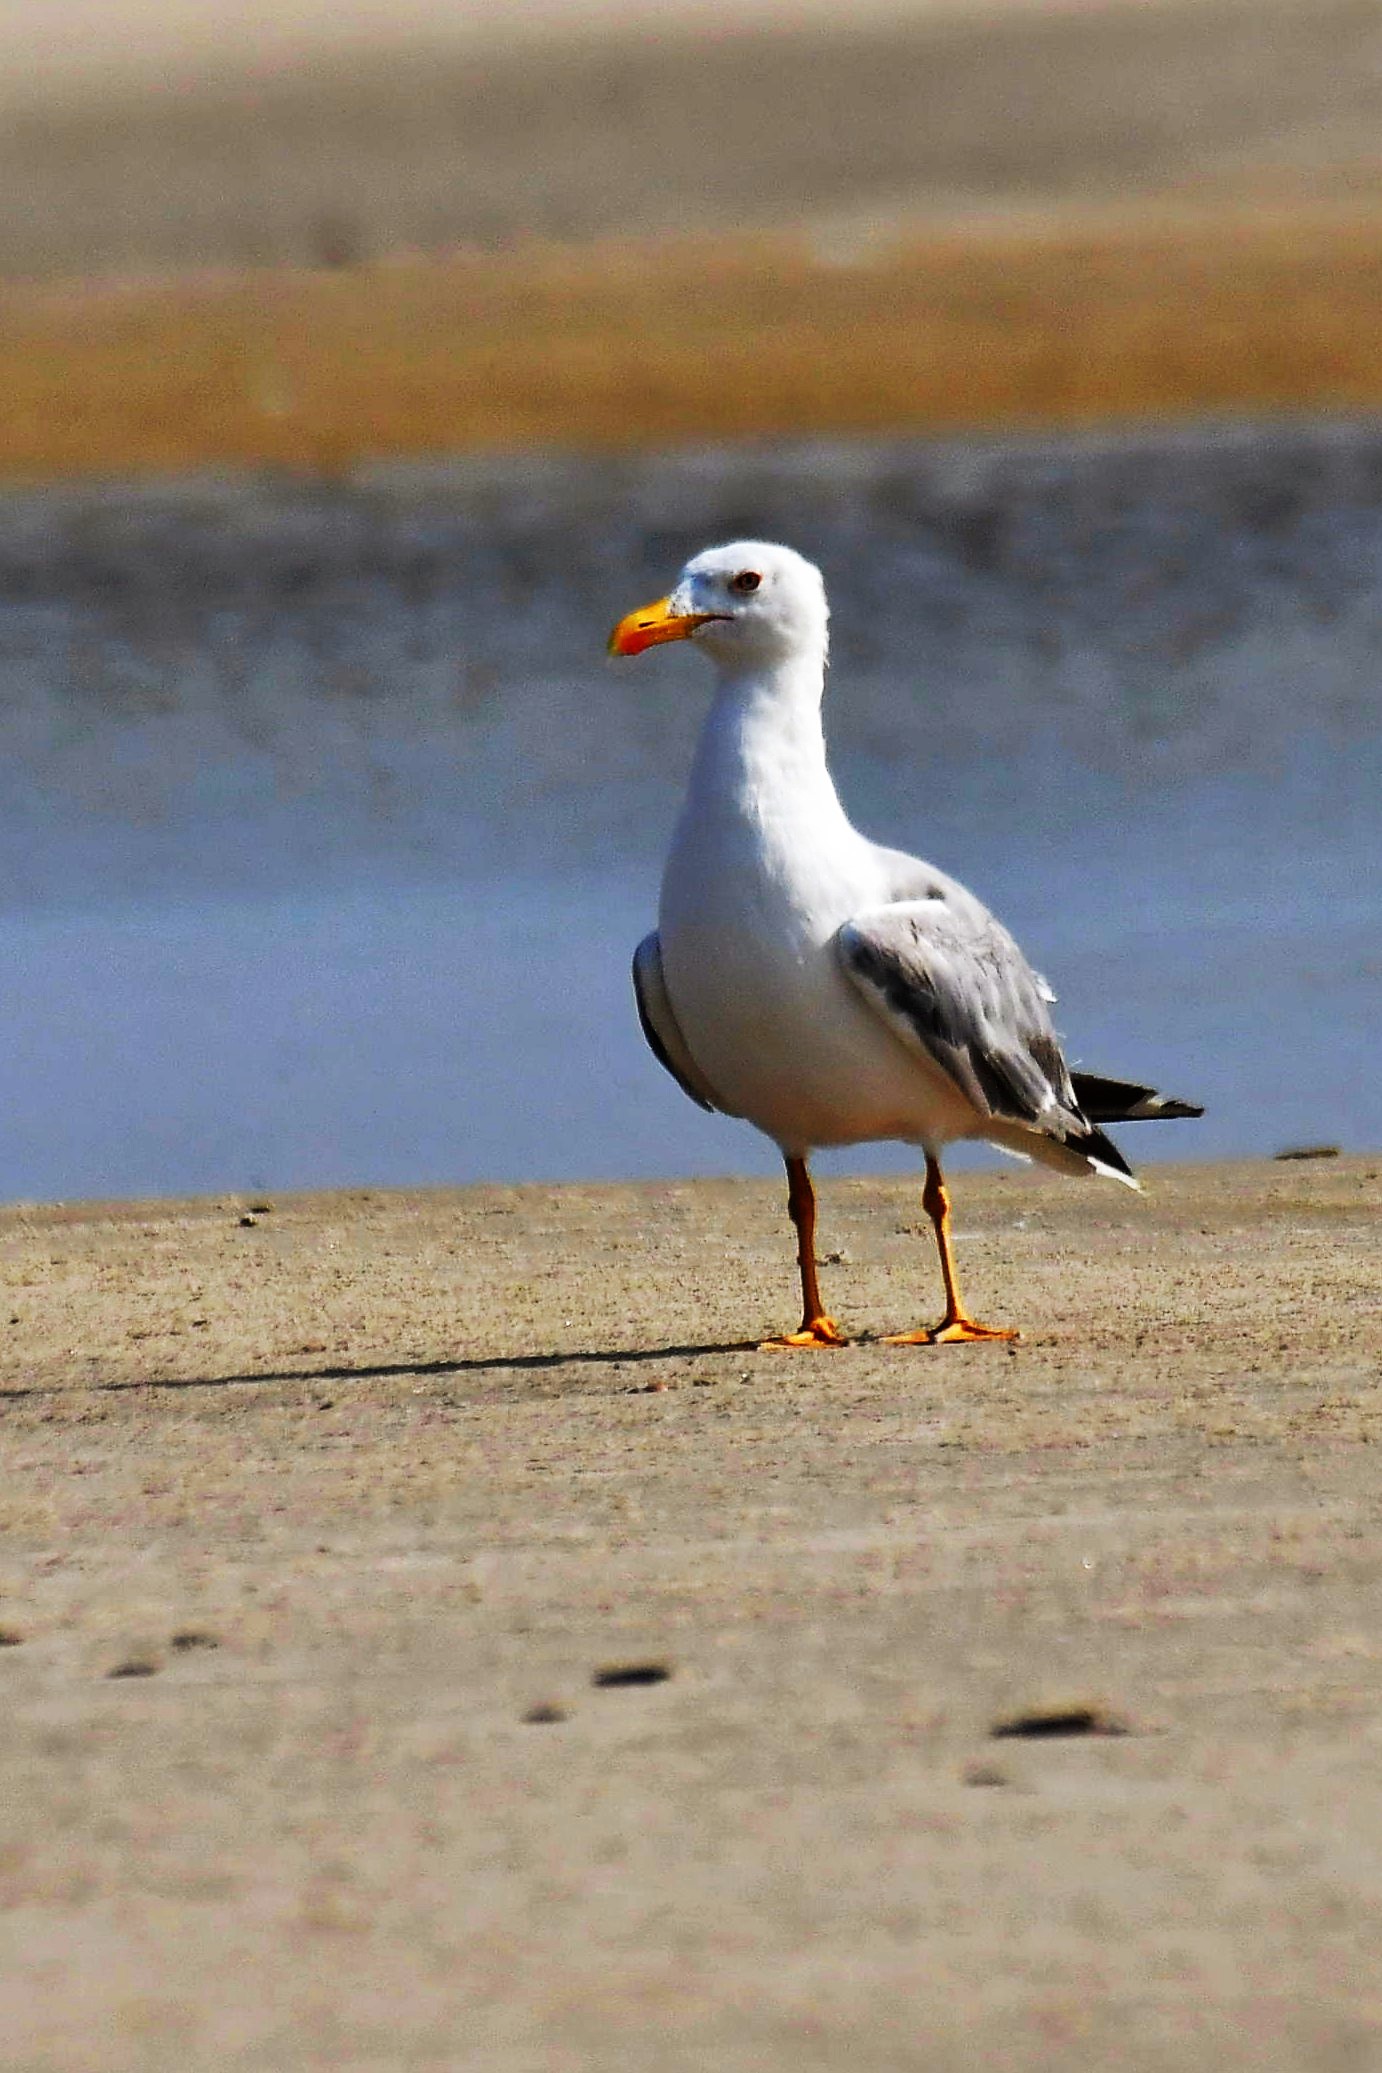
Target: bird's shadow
(496, 1363)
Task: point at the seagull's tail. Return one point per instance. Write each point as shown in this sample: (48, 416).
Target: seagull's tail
(1081, 1145)
(1086, 1150)
(1122, 1101)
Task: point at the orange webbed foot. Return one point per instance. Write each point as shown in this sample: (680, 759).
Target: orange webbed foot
(951, 1331)
(815, 1331)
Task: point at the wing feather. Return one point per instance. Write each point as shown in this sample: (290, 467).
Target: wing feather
(1094, 1098)
(1127, 1101)
(661, 1028)
(951, 983)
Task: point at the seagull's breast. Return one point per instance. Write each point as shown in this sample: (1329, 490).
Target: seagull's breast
(758, 881)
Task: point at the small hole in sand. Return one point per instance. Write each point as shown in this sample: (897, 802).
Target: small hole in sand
(1062, 1720)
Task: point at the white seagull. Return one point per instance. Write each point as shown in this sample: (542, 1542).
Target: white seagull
(826, 989)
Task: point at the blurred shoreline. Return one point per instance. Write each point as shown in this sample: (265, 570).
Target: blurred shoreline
(399, 381)
(591, 228)
(587, 125)
(1090, 317)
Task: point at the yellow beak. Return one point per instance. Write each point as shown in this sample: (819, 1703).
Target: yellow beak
(653, 624)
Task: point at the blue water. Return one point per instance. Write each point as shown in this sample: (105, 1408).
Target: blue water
(326, 831)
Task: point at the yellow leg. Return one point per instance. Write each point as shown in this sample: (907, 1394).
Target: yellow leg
(816, 1328)
(956, 1323)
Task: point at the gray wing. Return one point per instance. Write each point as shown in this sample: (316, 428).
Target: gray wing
(1093, 1097)
(661, 1028)
(910, 879)
(953, 986)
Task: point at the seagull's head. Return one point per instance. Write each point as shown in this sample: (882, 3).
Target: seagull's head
(750, 605)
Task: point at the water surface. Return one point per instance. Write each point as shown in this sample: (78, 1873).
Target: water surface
(327, 830)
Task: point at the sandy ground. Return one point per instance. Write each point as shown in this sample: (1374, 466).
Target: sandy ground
(305, 1517)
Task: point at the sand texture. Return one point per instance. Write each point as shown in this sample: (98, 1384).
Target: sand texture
(307, 1518)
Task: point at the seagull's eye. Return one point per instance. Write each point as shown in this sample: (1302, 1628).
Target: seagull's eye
(745, 581)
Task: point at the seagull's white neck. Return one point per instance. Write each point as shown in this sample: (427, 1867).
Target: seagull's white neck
(762, 750)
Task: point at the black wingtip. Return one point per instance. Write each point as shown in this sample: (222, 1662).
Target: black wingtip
(1104, 1100)
(1095, 1145)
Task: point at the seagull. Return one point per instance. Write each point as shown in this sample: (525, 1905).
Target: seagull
(824, 988)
